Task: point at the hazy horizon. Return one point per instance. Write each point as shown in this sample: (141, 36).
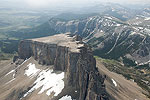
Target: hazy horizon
(59, 3)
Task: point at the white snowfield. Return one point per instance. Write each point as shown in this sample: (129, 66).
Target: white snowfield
(66, 98)
(47, 80)
(31, 71)
(114, 82)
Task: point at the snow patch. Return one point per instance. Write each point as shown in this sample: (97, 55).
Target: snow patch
(47, 80)
(32, 70)
(14, 75)
(141, 64)
(66, 98)
(136, 62)
(54, 82)
(13, 71)
(132, 80)
(101, 31)
(118, 25)
(10, 72)
(109, 17)
(133, 33)
(141, 28)
(114, 82)
(21, 64)
(137, 22)
(144, 63)
(80, 45)
(91, 18)
(148, 18)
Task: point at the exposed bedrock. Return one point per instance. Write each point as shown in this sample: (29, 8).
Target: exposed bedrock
(69, 54)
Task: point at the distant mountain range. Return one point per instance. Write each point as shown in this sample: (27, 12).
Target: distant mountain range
(112, 30)
(119, 37)
(109, 36)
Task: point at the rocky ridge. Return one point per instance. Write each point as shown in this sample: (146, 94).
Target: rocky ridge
(109, 37)
(68, 54)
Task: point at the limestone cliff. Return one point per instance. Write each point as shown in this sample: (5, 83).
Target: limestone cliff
(69, 54)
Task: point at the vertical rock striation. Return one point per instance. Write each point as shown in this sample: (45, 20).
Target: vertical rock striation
(69, 54)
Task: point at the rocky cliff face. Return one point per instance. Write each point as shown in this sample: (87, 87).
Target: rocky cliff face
(69, 54)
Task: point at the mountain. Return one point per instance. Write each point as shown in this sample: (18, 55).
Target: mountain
(44, 29)
(56, 67)
(140, 21)
(146, 12)
(108, 36)
(62, 67)
(113, 9)
(119, 38)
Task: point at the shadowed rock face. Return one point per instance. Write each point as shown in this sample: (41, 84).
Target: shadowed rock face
(69, 54)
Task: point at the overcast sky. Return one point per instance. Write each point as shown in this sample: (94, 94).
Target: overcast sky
(47, 3)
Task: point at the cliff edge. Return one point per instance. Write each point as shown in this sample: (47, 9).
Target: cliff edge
(69, 54)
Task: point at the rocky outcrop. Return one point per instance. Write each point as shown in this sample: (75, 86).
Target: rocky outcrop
(69, 54)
